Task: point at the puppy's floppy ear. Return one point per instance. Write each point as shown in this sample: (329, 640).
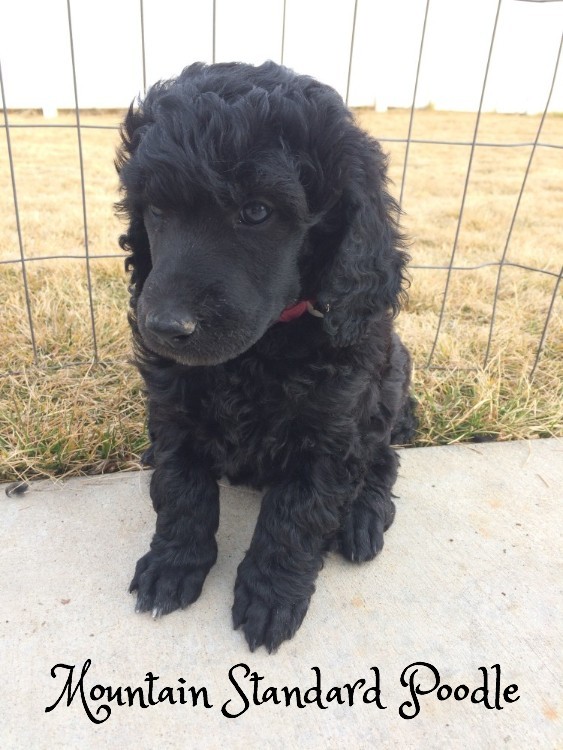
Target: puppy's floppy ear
(135, 240)
(365, 277)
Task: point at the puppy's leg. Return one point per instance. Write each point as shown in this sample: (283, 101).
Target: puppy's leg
(276, 579)
(372, 512)
(183, 549)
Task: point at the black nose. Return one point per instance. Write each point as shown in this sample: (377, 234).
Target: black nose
(171, 329)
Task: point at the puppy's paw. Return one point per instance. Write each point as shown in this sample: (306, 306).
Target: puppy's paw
(265, 620)
(361, 534)
(163, 587)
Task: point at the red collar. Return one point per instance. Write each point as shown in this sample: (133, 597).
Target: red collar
(298, 309)
(294, 311)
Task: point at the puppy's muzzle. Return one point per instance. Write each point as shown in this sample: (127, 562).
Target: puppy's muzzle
(169, 329)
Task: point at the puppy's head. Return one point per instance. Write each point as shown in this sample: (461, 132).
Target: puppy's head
(248, 189)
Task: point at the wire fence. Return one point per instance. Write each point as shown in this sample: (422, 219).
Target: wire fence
(450, 268)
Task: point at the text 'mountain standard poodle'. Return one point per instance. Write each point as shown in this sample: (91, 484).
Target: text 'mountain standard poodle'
(267, 266)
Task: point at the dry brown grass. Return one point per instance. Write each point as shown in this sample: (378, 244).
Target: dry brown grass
(90, 418)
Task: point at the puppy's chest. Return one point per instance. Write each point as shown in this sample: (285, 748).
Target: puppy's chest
(253, 420)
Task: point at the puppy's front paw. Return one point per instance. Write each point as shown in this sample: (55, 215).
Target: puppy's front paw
(163, 587)
(266, 619)
(361, 534)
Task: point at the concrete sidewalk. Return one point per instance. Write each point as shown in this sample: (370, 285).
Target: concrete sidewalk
(470, 577)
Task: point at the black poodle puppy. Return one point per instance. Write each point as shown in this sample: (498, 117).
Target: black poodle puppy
(267, 266)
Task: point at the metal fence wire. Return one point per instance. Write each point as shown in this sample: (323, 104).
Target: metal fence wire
(450, 268)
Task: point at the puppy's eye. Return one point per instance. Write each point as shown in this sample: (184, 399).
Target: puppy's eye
(155, 212)
(254, 212)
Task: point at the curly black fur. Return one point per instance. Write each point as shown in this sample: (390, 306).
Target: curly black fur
(248, 189)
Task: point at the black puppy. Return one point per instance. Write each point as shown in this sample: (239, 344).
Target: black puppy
(267, 266)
